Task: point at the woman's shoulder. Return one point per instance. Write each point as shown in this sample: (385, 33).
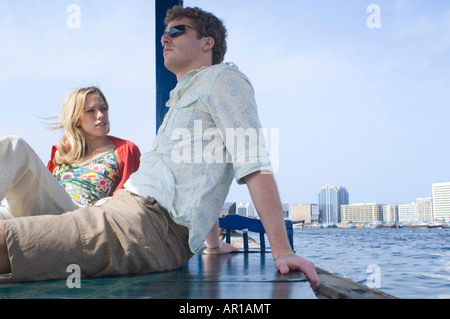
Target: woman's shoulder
(128, 152)
(121, 143)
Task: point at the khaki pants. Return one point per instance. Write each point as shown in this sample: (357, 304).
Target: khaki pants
(27, 185)
(129, 234)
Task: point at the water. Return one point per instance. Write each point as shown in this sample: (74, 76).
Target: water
(408, 263)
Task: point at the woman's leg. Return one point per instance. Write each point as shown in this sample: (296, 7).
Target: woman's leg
(27, 184)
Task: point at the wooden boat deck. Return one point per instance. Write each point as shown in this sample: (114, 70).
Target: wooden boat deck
(237, 276)
(248, 274)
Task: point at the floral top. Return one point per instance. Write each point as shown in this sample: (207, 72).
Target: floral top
(90, 182)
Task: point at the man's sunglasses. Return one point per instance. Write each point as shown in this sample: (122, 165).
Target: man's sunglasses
(177, 30)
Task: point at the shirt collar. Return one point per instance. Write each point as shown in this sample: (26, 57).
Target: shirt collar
(177, 92)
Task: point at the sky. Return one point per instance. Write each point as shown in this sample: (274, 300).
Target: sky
(356, 93)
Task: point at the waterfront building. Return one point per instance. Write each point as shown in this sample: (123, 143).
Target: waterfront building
(246, 210)
(361, 213)
(285, 208)
(390, 213)
(425, 209)
(330, 200)
(441, 201)
(407, 213)
(307, 212)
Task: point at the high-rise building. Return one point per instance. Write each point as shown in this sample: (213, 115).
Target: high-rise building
(441, 201)
(330, 200)
(407, 213)
(361, 213)
(425, 209)
(307, 212)
(245, 210)
(285, 209)
(390, 213)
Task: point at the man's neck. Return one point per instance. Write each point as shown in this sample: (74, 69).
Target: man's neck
(196, 66)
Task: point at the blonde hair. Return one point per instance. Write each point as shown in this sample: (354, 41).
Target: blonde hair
(72, 145)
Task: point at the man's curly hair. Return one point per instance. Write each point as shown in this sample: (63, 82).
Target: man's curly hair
(206, 24)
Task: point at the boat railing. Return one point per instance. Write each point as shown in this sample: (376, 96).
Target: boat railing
(245, 224)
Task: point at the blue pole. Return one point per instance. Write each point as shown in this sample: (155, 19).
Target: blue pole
(165, 80)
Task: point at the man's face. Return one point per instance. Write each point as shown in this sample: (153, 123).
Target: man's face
(182, 53)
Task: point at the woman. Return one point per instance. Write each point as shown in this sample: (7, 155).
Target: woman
(87, 163)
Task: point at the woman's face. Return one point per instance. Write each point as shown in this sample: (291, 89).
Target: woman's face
(94, 119)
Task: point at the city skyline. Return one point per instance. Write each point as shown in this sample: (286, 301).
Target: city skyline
(333, 206)
(372, 201)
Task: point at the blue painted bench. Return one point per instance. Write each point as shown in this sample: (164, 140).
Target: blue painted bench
(237, 222)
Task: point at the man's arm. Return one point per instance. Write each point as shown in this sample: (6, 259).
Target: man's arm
(266, 199)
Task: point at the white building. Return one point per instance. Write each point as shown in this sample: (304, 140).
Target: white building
(390, 213)
(425, 209)
(246, 210)
(441, 200)
(407, 213)
(285, 207)
(361, 213)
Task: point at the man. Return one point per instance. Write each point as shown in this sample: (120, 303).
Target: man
(171, 205)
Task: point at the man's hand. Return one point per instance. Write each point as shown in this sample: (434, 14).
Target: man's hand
(291, 262)
(225, 249)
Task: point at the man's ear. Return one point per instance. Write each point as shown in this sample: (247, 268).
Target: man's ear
(208, 43)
